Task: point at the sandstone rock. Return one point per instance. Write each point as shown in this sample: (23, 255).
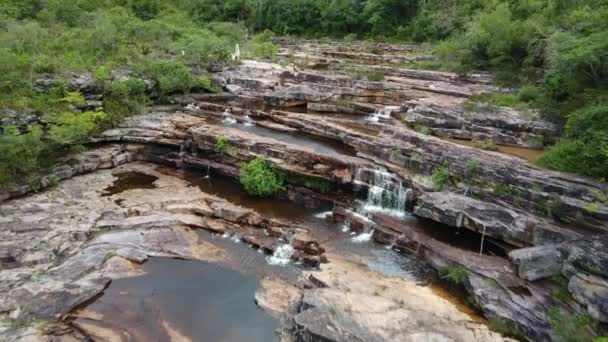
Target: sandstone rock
(275, 296)
(355, 304)
(517, 228)
(292, 96)
(539, 262)
(592, 292)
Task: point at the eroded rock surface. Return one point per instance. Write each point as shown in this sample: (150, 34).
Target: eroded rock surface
(63, 246)
(347, 302)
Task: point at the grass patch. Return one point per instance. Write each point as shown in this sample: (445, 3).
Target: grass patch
(221, 145)
(456, 274)
(570, 328)
(487, 145)
(507, 329)
(440, 177)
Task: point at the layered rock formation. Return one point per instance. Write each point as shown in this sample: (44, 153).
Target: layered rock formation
(532, 226)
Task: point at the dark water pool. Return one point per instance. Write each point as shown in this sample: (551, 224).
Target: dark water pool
(129, 181)
(198, 300)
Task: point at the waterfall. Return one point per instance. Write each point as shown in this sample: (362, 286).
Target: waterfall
(247, 121)
(382, 113)
(282, 255)
(192, 107)
(228, 118)
(386, 192)
(363, 237)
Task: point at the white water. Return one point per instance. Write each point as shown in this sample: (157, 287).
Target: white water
(324, 215)
(247, 121)
(382, 113)
(386, 192)
(281, 256)
(192, 106)
(363, 237)
(228, 118)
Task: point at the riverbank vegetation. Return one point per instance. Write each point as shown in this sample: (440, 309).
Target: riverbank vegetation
(555, 50)
(133, 52)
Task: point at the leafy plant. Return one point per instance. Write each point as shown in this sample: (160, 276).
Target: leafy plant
(506, 328)
(440, 177)
(205, 83)
(570, 328)
(487, 145)
(456, 274)
(471, 170)
(261, 178)
(221, 145)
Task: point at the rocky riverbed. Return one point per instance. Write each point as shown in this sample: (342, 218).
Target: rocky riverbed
(524, 241)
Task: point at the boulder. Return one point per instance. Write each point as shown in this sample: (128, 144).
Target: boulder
(538, 262)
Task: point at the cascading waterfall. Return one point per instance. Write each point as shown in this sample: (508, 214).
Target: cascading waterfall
(228, 118)
(386, 192)
(282, 255)
(247, 121)
(382, 113)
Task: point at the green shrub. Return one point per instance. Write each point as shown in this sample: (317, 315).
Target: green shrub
(529, 93)
(124, 98)
(203, 49)
(72, 128)
(204, 83)
(20, 155)
(261, 46)
(506, 328)
(221, 145)
(169, 76)
(471, 170)
(456, 274)
(588, 158)
(261, 178)
(440, 177)
(102, 73)
(487, 145)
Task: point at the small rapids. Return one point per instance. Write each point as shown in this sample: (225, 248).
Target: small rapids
(282, 255)
(363, 237)
(228, 118)
(382, 113)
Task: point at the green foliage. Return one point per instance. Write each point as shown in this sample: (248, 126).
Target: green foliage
(204, 83)
(123, 98)
(506, 328)
(487, 145)
(318, 184)
(369, 76)
(471, 170)
(456, 274)
(505, 190)
(20, 155)
(261, 46)
(570, 328)
(560, 293)
(262, 179)
(422, 129)
(102, 73)
(221, 145)
(170, 77)
(440, 177)
(72, 128)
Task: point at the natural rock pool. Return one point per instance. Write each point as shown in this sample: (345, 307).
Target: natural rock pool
(179, 300)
